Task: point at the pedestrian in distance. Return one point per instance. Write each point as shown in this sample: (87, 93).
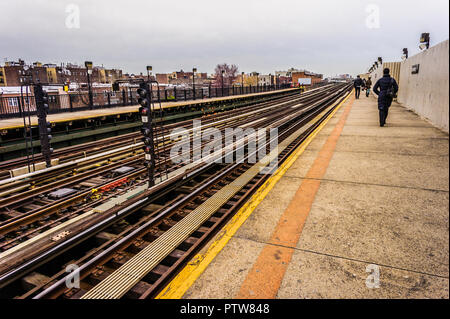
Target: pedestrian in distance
(368, 86)
(357, 84)
(386, 88)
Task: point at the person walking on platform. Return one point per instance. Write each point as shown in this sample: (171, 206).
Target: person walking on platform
(368, 86)
(357, 84)
(386, 88)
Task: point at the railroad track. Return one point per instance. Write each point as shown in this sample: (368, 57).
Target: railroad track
(10, 167)
(30, 205)
(182, 211)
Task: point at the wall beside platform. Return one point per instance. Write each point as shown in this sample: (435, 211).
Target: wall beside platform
(426, 92)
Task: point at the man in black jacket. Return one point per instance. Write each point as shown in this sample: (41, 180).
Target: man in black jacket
(357, 84)
(386, 88)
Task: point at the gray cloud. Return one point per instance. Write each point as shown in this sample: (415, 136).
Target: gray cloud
(325, 36)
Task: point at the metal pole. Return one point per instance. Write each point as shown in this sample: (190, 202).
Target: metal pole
(91, 102)
(193, 81)
(222, 81)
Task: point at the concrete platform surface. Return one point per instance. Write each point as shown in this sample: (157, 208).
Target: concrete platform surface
(362, 213)
(77, 115)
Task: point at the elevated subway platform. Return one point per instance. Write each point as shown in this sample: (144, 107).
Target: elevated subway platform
(356, 200)
(72, 128)
(14, 123)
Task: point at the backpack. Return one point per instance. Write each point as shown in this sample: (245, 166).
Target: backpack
(390, 93)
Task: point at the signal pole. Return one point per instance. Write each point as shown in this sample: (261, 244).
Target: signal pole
(144, 99)
(45, 130)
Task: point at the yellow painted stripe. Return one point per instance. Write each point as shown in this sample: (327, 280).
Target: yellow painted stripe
(186, 278)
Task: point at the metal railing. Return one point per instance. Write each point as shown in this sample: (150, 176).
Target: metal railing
(15, 106)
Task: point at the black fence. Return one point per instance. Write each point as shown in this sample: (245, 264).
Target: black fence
(15, 106)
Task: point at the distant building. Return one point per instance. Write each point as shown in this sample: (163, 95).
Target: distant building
(2, 77)
(345, 76)
(52, 75)
(98, 75)
(284, 80)
(315, 78)
(287, 73)
(113, 75)
(72, 73)
(264, 79)
(18, 73)
(14, 98)
(14, 73)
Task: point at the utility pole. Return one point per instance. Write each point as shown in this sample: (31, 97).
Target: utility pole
(222, 73)
(149, 69)
(88, 65)
(193, 81)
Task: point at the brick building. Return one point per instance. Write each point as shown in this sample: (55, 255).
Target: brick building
(17, 73)
(284, 80)
(2, 77)
(162, 78)
(13, 73)
(38, 73)
(12, 98)
(315, 78)
(73, 73)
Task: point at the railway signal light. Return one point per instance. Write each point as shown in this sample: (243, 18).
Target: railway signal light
(147, 141)
(49, 130)
(142, 93)
(45, 127)
(144, 99)
(145, 113)
(145, 131)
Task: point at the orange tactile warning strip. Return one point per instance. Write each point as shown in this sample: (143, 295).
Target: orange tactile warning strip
(266, 275)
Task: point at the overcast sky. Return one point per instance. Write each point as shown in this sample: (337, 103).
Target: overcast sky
(324, 36)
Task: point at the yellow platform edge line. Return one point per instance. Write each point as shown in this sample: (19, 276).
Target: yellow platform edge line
(189, 274)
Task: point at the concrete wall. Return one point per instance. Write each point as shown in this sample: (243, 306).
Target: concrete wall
(427, 93)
